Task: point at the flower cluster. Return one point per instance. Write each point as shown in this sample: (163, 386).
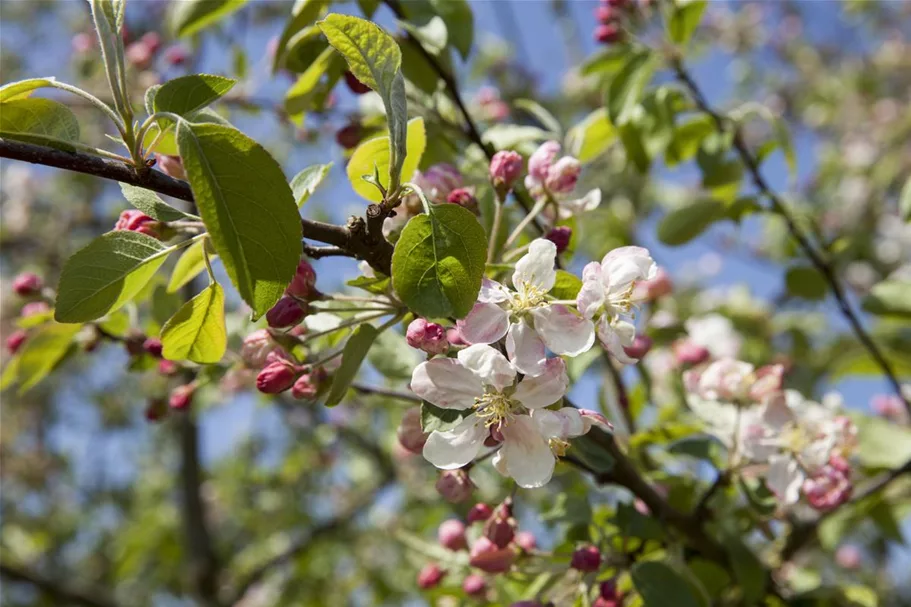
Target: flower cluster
(554, 179)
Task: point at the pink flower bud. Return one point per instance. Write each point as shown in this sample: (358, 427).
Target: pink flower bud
(831, 486)
(256, 348)
(356, 86)
(640, 346)
(586, 559)
(454, 337)
(889, 406)
(526, 541)
(451, 535)
(608, 590)
(769, 381)
(540, 162)
(474, 585)
(410, 434)
(167, 367)
(286, 312)
(276, 377)
(176, 55)
(505, 169)
(34, 308)
(455, 486)
(438, 181)
(15, 340)
(27, 284)
(464, 197)
(82, 43)
(303, 282)
(139, 54)
(560, 236)
(171, 166)
(848, 556)
(305, 388)
(427, 336)
(486, 556)
(430, 576)
(606, 14)
(134, 220)
(153, 346)
(152, 40)
(563, 175)
(608, 33)
(479, 512)
(688, 353)
(500, 529)
(349, 135)
(156, 409)
(650, 290)
(181, 397)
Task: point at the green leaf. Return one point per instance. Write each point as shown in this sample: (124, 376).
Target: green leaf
(904, 202)
(192, 16)
(42, 351)
(106, 274)
(805, 281)
(684, 19)
(457, 16)
(748, 569)
(625, 90)
(567, 285)
(661, 585)
(151, 204)
(686, 223)
(197, 332)
(190, 263)
(509, 136)
(890, 298)
(881, 443)
(541, 114)
(437, 419)
(375, 153)
(687, 139)
(438, 262)
(305, 183)
(377, 284)
(636, 153)
(23, 88)
(40, 121)
(107, 15)
(303, 14)
(591, 137)
(432, 35)
(352, 357)
(248, 209)
(185, 95)
(308, 89)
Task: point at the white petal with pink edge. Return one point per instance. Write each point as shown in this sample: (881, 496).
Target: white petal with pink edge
(563, 331)
(444, 382)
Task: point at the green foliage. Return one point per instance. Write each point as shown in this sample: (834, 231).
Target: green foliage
(190, 263)
(881, 443)
(686, 223)
(592, 137)
(437, 419)
(192, 16)
(314, 85)
(355, 351)
(625, 90)
(805, 281)
(23, 88)
(39, 121)
(303, 14)
(305, 183)
(151, 204)
(890, 298)
(186, 95)
(660, 584)
(438, 262)
(197, 332)
(685, 17)
(372, 156)
(904, 202)
(45, 348)
(247, 208)
(567, 285)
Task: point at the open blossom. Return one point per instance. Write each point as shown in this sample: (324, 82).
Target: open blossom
(557, 178)
(606, 296)
(525, 317)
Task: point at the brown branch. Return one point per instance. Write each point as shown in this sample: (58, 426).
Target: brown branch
(59, 591)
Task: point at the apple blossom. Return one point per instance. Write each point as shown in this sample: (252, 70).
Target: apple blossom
(451, 535)
(427, 336)
(555, 179)
(134, 220)
(474, 585)
(430, 576)
(256, 347)
(526, 541)
(479, 512)
(15, 340)
(505, 169)
(276, 377)
(286, 312)
(488, 557)
(454, 485)
(27, 284)
(182, 396)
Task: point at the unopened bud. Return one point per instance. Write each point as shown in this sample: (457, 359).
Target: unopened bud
(34, 308)
(286, 312)
(542, 159)
(650, 290)
(505, 170)
(608, 33)
(139, 54)
(356, 86)
(305, 388)
(256, 348)
(430, 576)
(526, 541)
(410, 434)
(474, 585)
(479, 512)
(463, 197)
(451, 535)
(427, 336)
(153, 346)
(304, 281)
(455, 486)
(640, 346)
(586, 559)
(152, 40)
(500, 529)
(688, 353)
(487, 556)
(82, 43)
(769, 381)
(848, 557)
(563, 175)
(176, 55)
(27, 284)
(134, 220)
(560, 236)
(15, 340)
(276, 377)
(349, 135)
(438, 181)
(454, 337)
(171, 166)
(606, 14)
(167, 367)
(181, 397)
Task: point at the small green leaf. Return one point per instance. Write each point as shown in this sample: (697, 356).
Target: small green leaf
(151, 204)
(305, 183)
(459, 23)
(632, 138)
(432, 35)
(661, 585)
(106, 274)
(107, 15)
(881, 443)
(189, 265)
(192, 16)
(248, 209)
(197, 332)
(23, 88)
(567, 285)
(805, 281)
(437, 419)
(687, 139)
(40, 121)
(685, 17)
(686, 223)
(355, 351)
(591, 137)
(890, 298)
(438, 262)
(185, 95)
(541, 114)
(308, 89)
(510, 136)
(303, 14)
(375, 153)
(377, 284)
(42, 351)
(625, 90)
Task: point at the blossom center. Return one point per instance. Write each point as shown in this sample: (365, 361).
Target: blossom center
(495, 407)
(527, 297)
(621, 303)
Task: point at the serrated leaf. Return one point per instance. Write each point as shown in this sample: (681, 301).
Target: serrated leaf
(684, 19)
(303, 14)
(890, 298)
(41, 352)
(567, 285)
(375, 153)
(591, 137)
(305, 183)
(23, 88)
(355, 351)
(192, 16)
(247, 207)
(185, 95)
(805, 281)
(661, 585)
(167, 143)
(376, 284)
(151, 204)
(197, 331)
(106, 274)
(625, 89)
(438, 262)
(189, 265)
(437, 419)
(40, 121)
(308, 88)
(686, 223)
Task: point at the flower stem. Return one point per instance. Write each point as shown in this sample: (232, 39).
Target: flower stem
(495, 229)
(539, 206)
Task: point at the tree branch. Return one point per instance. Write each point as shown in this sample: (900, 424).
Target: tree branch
(62, 593)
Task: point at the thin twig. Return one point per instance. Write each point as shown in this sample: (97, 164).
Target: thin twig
(386, 392)
(59, 591)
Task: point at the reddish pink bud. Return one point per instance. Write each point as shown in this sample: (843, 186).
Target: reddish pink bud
(279, 356)
(617, 3)
(176, 55)
(286, 312)
(27, 284)
(500, 529)
(181, 396)
(640, 346)
(349, 136)
(560, 236)
(83, 43)
(15, 340)
(276, 377)
(474, 585)
(171, 166)
(256, 348)
(427, 336)
(305, 388)
(586, 559)
(603, 602)
(608, 590)
(454, 337)
(438, 181)
(608, 33)
(451, 535)
(606, 14)
(769, 381)
(153, 346)
(356, 86)
(505, 169)
(134, 220)
(167, 367)
(139, 55)
(463, 197)
(410, 434)
(540, 162)
(455, 486)
(479, 512)
(526, 541)
(688, 353)
(563, 175)
(831, 486)
(152, 40)
(34, 308)
(650, 290)
(848, 556)
(303, 282)
(486, 556)
(430, 576)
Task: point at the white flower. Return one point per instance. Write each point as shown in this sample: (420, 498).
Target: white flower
(483, 380)
(606, 293)
(726, 380)
(715, 333)
(525, 317)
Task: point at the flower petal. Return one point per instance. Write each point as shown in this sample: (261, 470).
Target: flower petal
(626, 264)
(526, 453)
(525, 349)
(492, 292)
(545, 389)
(589, 202)
(615, 335)
(562, 331)
(489, 365)
(562, 424)
(536, 268)
(591, 295)
(455, 448)
(485, 324)
(444, 382)
(784, 478)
